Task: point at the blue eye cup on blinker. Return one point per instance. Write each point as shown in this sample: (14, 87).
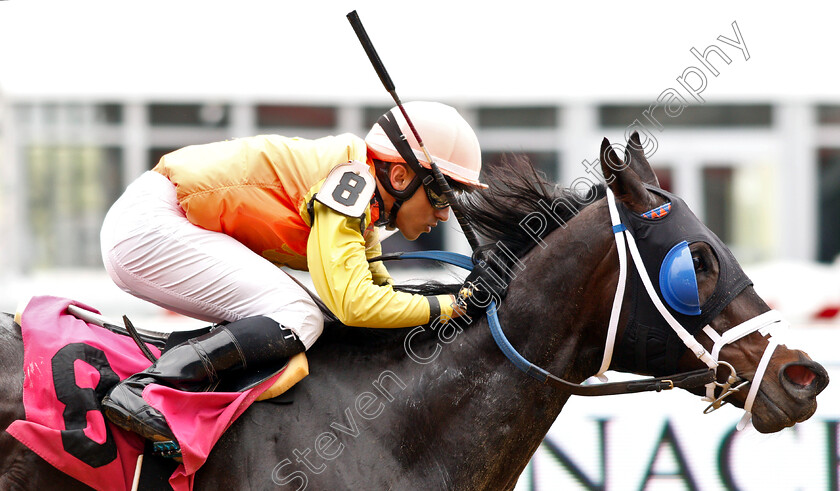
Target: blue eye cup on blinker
(677, 280)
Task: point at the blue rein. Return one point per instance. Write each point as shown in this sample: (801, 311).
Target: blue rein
(465, 262)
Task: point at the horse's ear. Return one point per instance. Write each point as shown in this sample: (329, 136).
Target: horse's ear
(625, 183)
(634, 156)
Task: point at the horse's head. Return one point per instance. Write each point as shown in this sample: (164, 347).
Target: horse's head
(689, 304)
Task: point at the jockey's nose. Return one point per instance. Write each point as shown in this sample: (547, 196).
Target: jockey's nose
(442, 215)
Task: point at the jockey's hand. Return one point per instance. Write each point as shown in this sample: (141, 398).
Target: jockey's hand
(480, 288)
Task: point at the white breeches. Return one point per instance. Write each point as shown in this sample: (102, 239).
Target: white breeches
(153, 252)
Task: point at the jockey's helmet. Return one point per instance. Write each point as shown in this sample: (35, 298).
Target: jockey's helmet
(448, 138)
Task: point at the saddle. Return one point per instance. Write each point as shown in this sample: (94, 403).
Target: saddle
(293, 370)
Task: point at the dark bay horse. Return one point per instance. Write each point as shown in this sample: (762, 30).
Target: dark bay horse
(443, 408)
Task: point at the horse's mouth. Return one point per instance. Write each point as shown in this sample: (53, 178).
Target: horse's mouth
(795, 398)
(769, 417)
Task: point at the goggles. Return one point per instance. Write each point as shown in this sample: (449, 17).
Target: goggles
(435, 194)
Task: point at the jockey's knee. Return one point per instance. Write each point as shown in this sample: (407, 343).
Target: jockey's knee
(306, 321)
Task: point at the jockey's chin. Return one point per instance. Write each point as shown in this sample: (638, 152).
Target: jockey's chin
(417, 216)
(417, 229)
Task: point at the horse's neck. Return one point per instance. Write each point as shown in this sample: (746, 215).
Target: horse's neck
(486, 417)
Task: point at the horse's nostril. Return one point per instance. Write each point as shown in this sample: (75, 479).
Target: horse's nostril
(800, 375)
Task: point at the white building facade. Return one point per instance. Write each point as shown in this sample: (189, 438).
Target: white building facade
(764, 176)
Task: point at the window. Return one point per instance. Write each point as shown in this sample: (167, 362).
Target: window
(665, 177)
(738, 206)
(518, 117)
(156, 153)
(200, 115)
(546, 162)
(108, 113)
(828, 207)
(370, 114)
(692, 116)
(717, 194)
(112, 175)
(828, 114)
(70, 188)
(296, 116)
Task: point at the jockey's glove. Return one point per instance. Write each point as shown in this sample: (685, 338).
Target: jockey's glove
(482, 286)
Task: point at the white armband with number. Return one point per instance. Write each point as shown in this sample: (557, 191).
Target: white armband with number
(348, 189)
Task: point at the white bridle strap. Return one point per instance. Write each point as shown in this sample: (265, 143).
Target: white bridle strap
(745, 328)
(761, 322)
(618, 230)
(759, 375)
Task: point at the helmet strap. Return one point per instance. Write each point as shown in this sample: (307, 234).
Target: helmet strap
(383, 175)
(389, 125)
(380, 203)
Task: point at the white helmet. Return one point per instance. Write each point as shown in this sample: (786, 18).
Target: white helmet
(446, 135)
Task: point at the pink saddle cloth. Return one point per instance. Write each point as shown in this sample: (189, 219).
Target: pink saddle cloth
(69, 365)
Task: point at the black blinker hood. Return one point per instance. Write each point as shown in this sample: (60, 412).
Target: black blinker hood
(649, 345)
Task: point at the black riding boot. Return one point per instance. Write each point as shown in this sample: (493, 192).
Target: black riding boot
(197, 365)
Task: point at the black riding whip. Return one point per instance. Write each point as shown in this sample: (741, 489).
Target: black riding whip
(356, 22)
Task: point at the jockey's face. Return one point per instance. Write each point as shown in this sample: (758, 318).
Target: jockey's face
(417, 215)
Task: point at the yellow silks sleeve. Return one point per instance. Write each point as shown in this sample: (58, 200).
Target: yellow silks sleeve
(344, 280)
(377, 268)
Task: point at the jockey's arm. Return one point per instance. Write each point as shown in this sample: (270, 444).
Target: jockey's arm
(343, 279)
(378, 270)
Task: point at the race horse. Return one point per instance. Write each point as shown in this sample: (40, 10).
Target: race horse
(441, 407)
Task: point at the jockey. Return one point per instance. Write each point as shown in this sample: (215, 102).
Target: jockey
(202, 232)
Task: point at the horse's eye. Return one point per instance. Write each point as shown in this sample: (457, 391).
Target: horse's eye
(699, 263)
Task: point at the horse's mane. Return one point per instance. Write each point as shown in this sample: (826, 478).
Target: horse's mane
(516, 191)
